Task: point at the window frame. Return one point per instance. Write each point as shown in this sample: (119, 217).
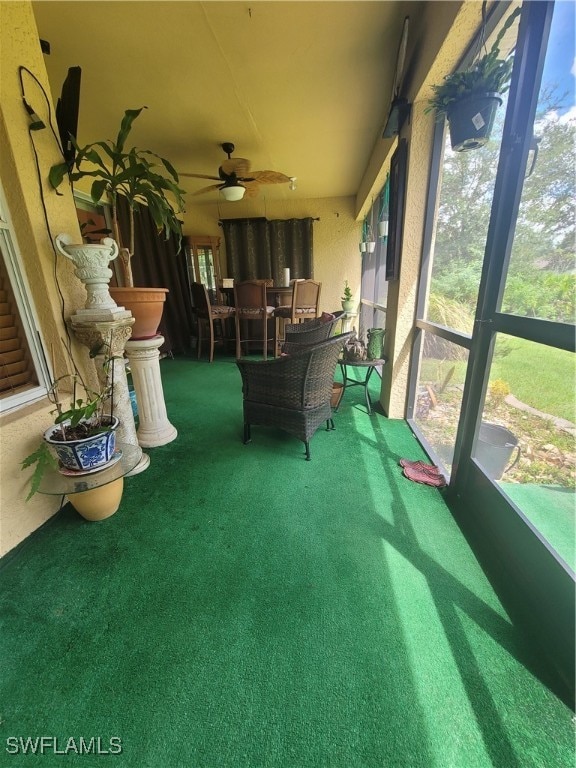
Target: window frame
(11, 254)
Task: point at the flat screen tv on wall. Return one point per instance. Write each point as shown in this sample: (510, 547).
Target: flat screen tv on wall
(67, 110)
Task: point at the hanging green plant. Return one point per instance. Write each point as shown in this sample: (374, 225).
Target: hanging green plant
(470, 97)
(383, 210)
(368, 239)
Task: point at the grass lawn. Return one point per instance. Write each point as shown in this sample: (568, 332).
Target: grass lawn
(542, 377)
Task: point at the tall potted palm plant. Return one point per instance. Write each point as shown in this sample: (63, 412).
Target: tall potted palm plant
(141, 178)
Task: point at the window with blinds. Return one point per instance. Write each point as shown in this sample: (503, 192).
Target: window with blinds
(16, 368)
(23, 372)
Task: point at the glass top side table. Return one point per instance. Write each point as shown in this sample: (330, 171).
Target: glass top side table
(369, 365)
(94, 495)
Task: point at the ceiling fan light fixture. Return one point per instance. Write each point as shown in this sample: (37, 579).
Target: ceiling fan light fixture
(233, 192)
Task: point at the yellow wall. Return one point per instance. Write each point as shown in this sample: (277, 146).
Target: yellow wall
(21, 430)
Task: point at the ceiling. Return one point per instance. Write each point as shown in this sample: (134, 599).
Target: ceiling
(299, 87)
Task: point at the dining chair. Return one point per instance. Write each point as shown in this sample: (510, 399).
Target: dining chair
(293, 392)
(209, 313)
(305, 305)
(252, 309)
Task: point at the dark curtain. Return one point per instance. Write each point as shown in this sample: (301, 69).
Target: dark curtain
(261, 249)
(158, 263)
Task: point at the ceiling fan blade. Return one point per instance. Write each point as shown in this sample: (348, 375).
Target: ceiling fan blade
(269, 177)
(199, 176)
(209, 188)
(238, 165)
(251, 188)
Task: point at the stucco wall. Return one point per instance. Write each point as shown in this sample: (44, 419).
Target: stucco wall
(20, 431)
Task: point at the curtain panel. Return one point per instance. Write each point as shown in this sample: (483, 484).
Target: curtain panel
(259, 249)
(159, 263)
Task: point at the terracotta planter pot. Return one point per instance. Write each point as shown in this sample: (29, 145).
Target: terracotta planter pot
(146, 305)
(337, 392)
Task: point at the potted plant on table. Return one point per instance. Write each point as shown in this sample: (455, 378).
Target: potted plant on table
(141, 178)
(469, 98)
(82, 439)
(347, 298)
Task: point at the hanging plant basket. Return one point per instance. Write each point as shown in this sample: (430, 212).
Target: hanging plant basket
(471, 120)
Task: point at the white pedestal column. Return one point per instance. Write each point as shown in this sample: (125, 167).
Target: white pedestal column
(348, 320)
(112, 337)
(144, 357)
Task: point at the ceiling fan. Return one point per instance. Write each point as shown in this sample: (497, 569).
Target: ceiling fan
(236, 179)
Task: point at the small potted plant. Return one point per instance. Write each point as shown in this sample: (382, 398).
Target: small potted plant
(368, 244)
(469, 98)
(83, 436)
(347, 298)
(142, 178)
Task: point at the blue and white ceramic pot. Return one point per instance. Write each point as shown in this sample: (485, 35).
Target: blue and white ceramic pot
(86, 454)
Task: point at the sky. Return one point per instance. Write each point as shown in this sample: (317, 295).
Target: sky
(560, 64)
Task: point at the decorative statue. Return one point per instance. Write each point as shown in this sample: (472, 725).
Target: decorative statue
(354, 349)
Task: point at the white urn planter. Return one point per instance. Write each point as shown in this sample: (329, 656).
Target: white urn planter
(91, 262)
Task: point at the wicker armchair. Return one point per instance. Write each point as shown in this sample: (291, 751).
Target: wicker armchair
(311, 332)
(293, 392)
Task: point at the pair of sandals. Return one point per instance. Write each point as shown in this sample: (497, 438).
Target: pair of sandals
(420, 472)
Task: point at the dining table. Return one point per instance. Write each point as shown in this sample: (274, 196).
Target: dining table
(279, 296)
(276, 295)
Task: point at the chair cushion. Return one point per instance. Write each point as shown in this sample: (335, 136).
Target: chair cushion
(287, 311)
(305, 310)
(326, 317)
(254, 311)
(221, 309)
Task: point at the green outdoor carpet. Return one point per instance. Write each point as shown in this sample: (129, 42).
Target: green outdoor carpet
(550, 508)
(246, 608)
